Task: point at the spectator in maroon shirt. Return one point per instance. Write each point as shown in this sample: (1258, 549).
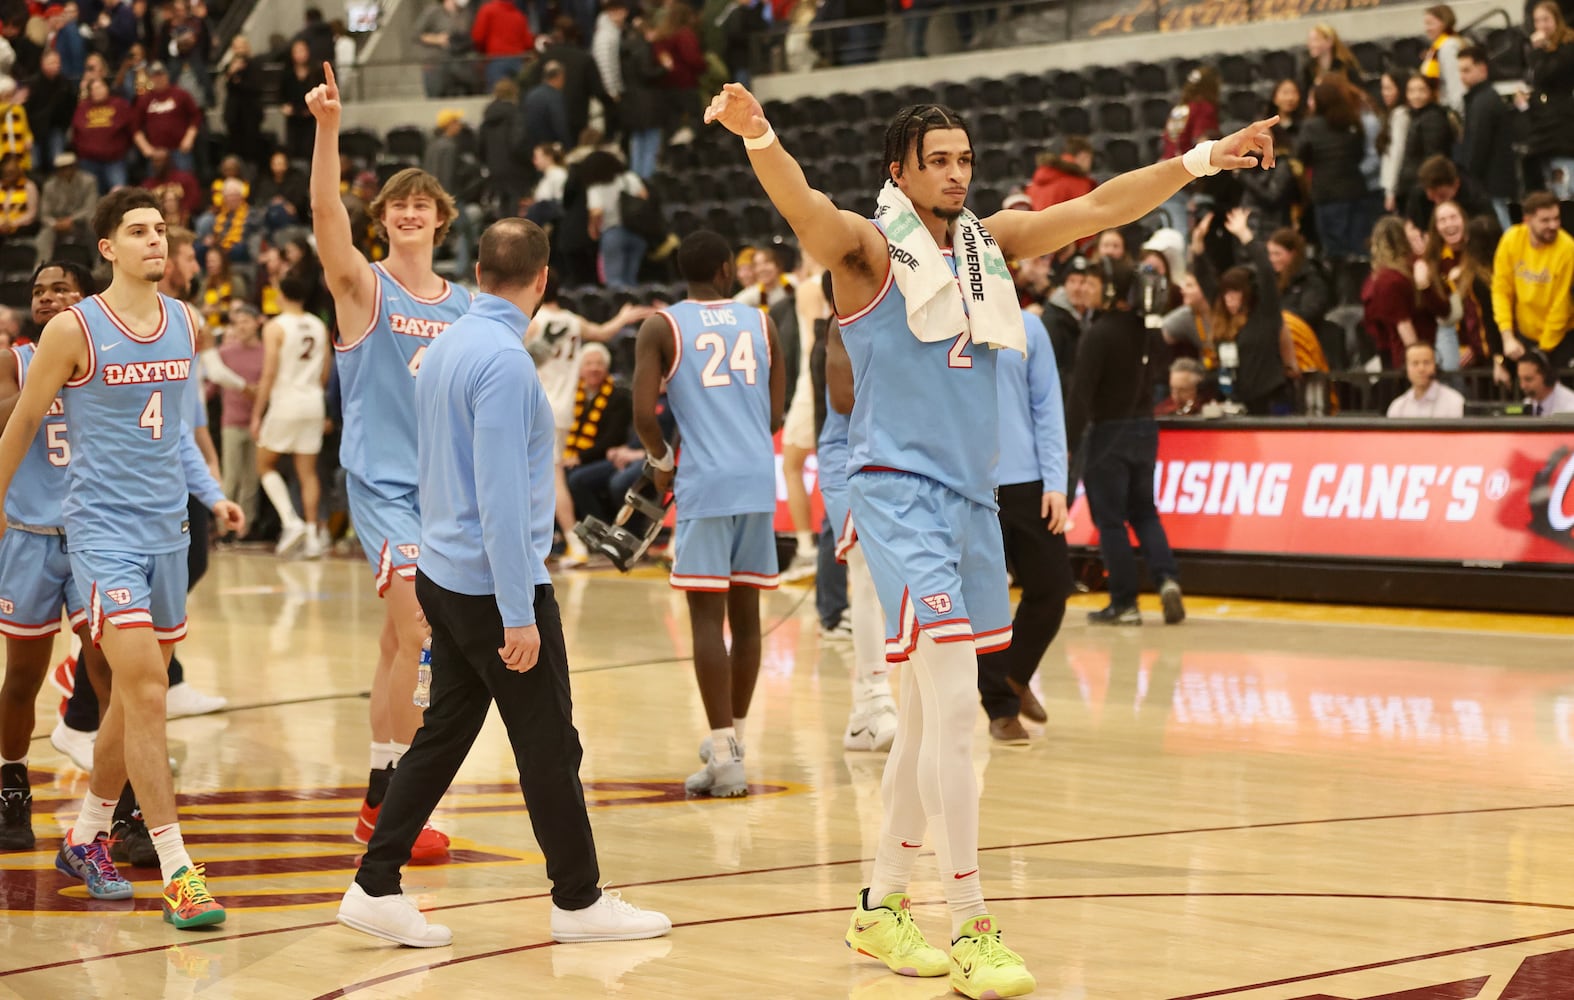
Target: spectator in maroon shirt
(165, 174)
(167, 118)
(101, 133)
(1396, 314)
(501, 33)
(1196, 117)
(678, 50)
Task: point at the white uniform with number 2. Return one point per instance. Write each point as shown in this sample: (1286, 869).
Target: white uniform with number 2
(293, 423)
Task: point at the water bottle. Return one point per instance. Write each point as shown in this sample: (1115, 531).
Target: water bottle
(423, 676)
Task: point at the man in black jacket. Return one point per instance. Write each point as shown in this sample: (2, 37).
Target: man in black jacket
(581, 76)
(1438, 181)
(1110, 421)
(1486, 150)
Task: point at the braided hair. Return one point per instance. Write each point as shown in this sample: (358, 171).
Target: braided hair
(908, 128)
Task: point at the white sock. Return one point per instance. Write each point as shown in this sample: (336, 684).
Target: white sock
(399, 750)
(172, 856)
(737, 727)
(964, 897)
(807, 543)
(96, 817)
(279, 496)
(23, 761)
(893, 866)
(718, 741)
(384, 755)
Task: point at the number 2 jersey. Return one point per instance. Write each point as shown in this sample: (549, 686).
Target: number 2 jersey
(128, 487)
(719, 388)
(297, 384)
(41, 480)
(377, 376)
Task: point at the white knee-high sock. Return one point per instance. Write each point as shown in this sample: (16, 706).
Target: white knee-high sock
(871, 684)
(902, 826)
(96, 817)
(946, 675)
(279, 496)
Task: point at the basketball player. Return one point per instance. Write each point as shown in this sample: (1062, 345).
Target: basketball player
(35, 572)
(555, 338)
(726, 389)
(124, 359)
(287, 418)
(920, 324)
(873, 721)
(387, 314)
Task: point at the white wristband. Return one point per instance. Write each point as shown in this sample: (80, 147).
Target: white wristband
(666, 463)
(761, 141)
(1198, 159)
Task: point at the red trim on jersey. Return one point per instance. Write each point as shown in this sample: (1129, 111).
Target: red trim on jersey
(16, 352)
(163, 321)
(885, 289)
(92, 352)
(982, 643)
(765, 333)
(847, 539)
(339, 343)
(710, 584)
(170, 636)
(191, 321)
(879, 468)
(448, 288)
(677, 342)
(759, 581)
(13, 630)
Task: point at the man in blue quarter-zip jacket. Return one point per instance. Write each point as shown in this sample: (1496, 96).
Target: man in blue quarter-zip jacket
(487, 506)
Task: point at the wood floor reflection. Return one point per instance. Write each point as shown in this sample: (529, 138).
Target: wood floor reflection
(1270, 802)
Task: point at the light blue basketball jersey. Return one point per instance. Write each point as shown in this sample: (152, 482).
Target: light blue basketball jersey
(831, 450)
(720, 392)
(377, 376)
(128, 487)
(929, 409)
(40, 483)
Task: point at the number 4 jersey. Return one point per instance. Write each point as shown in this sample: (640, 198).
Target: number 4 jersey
(127, 483)
(719, 388)
(40, 483)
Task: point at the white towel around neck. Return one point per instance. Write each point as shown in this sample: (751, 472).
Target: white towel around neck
(979, 298)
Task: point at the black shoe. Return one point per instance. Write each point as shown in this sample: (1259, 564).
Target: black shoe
(1170, 596)
(16, 810)
(130, 843)
(1112, 615)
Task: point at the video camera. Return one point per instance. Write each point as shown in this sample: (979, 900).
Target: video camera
(636, 526)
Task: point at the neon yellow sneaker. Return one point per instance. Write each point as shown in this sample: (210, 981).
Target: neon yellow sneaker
(985, 969)
(887, 932)
(187, 902)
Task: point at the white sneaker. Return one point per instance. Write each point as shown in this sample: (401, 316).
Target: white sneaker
(722, 776)
(705, 750)
(293, 534)
(872, 729)
(183, 700)
(804, 566)
(842, 631)
(610, 918)
(75, 744)
(314, 544)
(392, 918)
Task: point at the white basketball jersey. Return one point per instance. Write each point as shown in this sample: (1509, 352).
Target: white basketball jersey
(556, 348)
(300, 357)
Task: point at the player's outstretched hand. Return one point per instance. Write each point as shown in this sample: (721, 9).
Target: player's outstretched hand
(230, 517)
(521, 647)
(1232, 151)
(323, 100)
(738, 111)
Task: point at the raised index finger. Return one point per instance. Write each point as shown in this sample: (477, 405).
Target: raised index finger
(333, 86)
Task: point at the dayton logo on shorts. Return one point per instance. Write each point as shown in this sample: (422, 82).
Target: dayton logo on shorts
(120, 595)
(409, 551)
(6, 607)
(940, 604)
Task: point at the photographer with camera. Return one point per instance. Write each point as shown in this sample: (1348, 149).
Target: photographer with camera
(1111, 414)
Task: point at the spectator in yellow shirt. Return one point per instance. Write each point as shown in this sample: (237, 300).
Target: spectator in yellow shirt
(1532, 277)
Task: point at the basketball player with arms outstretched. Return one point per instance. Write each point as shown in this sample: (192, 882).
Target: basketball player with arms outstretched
(387, 313)
(726, 389)
(925, 300)
(124, 359)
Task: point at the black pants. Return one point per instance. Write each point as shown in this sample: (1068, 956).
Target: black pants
(467, 675)
(1043, 569)
(1118, 477)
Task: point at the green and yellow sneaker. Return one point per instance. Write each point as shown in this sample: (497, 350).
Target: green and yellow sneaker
(984, 968)
(187, 902)
(887, 932)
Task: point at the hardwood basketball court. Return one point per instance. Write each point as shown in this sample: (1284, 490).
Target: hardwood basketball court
(1268, 802)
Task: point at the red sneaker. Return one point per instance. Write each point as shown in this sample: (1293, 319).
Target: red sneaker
(429, 845)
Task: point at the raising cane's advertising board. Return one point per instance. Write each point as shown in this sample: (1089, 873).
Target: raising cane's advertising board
(1494, 496)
